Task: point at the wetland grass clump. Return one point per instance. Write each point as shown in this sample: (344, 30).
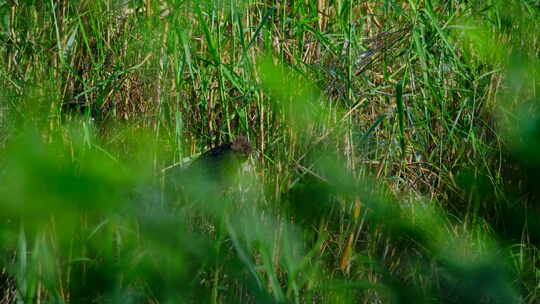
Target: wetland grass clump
(387, 152)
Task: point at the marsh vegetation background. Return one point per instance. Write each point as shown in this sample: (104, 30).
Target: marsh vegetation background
(396, 151)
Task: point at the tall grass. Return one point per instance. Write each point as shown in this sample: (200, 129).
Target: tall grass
(395, 151)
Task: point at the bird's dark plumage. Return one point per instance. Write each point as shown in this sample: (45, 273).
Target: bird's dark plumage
(238, 149)
(223, 161)
(214, 169)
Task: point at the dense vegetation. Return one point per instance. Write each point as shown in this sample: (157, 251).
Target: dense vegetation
(395, 151)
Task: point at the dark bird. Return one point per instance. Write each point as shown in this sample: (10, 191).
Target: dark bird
(231, 153)
(214, 169)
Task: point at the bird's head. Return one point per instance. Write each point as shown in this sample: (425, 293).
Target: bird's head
(241, 146)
